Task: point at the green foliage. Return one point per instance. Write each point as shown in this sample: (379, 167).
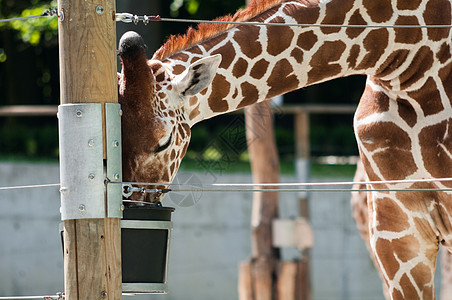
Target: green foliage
(32, 142)
(33, 30)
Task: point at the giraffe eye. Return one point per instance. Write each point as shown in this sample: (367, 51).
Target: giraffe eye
(164, 146)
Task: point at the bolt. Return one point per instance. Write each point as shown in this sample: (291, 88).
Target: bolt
(115, 143)
(91, 143)
(120, 112)
(82, 208)
(122, 207)
(99, 10)
(79, 113)
(91, 176)
(116, 176)
(103, 294)
(63, 190)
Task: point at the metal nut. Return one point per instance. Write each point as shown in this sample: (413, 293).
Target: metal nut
(79, 113)
(91, 142)
(91, 176)
(82, 208)
(115, 144)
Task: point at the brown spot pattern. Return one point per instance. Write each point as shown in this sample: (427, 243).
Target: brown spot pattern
(378, 11)
(236, 92)
(384, 252)
(240, 68)
(247, 38)
(375, 43)
(221, 86)
(394, 158)
(406, 111)
(323, 61)
(428, 98)
(226, 51)
(195, 50)
(280, 37)
(422, 276)
(421, 63)
(307, 40)
(194, 113)
(281, 79)
(355, 19)
(445, 75)
(437, 12)
(407, 35)
(390, 216)
(177, 69)
(250, 94)
(406, 248)
(335, 14)
(353, 56)
(435, 148)
(408, 4)
(160, 77)
(392, 63)
(444, 53)
(409, 291)
(259, 69)
(297, 54)
(306, 16)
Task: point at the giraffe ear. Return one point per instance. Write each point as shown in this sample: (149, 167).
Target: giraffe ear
(198, 75)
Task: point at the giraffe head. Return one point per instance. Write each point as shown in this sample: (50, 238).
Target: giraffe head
(155, 127)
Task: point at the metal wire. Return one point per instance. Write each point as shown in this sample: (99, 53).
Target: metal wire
(429, 180)
(19, 187)
(129, 18)
(245, 187)
(312, 190)
(48, 13)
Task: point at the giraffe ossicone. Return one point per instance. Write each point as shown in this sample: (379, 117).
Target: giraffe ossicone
(402, 124)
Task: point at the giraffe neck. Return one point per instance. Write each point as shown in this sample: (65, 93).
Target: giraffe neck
(260, 62)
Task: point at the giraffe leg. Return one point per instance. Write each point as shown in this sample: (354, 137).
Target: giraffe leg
(360, 213)
(405, 249)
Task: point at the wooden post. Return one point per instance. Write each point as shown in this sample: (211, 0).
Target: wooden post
(265, 168)
(87, 39)
(302, 150)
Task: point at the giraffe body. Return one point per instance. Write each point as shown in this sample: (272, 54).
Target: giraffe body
(402, 122)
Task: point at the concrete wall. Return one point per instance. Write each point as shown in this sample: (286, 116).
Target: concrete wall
(211, 237)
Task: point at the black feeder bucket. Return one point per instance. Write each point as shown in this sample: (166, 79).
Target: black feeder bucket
(145, 244)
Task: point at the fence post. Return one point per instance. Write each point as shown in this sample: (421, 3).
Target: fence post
(302, 151)
(87, 41)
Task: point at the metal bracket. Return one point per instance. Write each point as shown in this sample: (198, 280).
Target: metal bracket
(82, 173)
(114, 166)
(81, 161)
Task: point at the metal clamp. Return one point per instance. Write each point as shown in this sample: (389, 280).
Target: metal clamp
(82, 175)
(81, 161)
(113, 115)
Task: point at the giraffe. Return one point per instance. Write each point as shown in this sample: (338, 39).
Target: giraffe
(401, 123)
(360, 214)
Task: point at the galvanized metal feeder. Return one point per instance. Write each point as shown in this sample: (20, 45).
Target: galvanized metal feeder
(145, 244)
